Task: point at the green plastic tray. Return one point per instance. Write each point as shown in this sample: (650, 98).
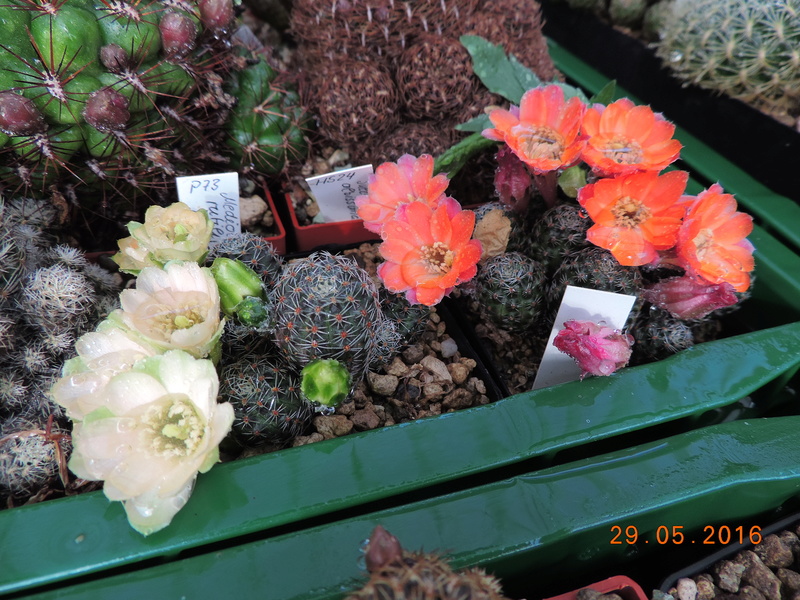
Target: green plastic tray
(555, 521)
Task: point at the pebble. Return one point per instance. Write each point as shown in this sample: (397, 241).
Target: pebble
(432, 391)
(413, 354)
(252, 210)
(728, 575)
(333, 426)
(365, 419)
(437, 368)
(397, 367)
(383, 385)
(758, 575)
(302, 440)
(774, 552)
(457, 399)
(459, 372)
(789, 579)
(449, 347)
(686, 589)
(706, 589)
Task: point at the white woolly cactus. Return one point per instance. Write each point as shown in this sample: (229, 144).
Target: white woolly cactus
(748, 49)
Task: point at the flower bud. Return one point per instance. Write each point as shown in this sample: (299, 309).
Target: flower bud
(598, 350)
(19, 116)
(690, 297)
(236, 281)
(326, 381)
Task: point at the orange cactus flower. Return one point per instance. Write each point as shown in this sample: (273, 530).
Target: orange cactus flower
(635, 215)
(712, 242)
(544, 132)
(429, 251)
(410, 179)
(624, 138)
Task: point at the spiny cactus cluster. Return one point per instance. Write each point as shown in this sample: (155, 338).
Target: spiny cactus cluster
(398, 574)
(747, 49)
(49, 295)
(105, 103)
(375, 68)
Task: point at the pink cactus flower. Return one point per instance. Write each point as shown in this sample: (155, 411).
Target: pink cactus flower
(598, 349)
(689, 297)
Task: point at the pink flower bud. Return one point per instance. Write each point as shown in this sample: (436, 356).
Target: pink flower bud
(598, 350)
(512, 180)
(107, 110)
(383, 549)
(178, 33)
(114, 58)
(689, 297)
(216, 15)
(19, 116)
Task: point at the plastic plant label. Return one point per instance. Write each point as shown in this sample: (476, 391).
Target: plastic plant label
(335, 193)
(581, 304)
(218, 193)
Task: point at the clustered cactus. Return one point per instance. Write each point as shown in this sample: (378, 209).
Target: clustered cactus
(50, 294)
(746, 49)
(397, 69)
(105, 103)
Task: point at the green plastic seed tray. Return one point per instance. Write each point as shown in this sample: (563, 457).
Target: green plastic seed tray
(553, 522)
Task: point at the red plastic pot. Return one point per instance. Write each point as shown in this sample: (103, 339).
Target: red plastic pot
(278, 240)
(339, 233)
(621, 585)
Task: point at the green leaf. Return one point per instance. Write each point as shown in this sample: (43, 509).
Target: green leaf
(606, 94)
(478, 124)
(497, 72)
(454, 158)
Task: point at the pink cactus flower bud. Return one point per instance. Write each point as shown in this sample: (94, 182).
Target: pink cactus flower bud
(114, 58)
(598, 349)
(216, 15)
(19, 116)
(107, 110)
(512, 180)
(178, 34)
(689, 297)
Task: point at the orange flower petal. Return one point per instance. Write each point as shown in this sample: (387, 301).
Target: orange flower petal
(627, 245)
(430, 296)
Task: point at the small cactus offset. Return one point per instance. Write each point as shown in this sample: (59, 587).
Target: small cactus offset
(747, 49)
(561, 230)
(254, 251)
(326, 306)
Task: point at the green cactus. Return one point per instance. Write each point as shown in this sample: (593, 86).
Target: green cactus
(627, 13)
(326, 382)
(560, 231)
(327, 306)
(267, 404)
(658, 335)
(594, 268)
(254, 251)
(409, 319)
(510, 289)
(267, 129)
(748, 49)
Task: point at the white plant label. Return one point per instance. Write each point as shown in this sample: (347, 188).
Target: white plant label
(218, 193)
(335, 193)
(580, 304)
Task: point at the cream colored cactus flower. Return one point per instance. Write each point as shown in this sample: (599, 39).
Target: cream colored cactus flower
(102, 354)
(176, 307)
(173, 233)
(160, 425)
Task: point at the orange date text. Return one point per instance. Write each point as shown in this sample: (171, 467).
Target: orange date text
(675, 534)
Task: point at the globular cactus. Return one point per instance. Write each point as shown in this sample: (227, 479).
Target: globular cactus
(33, 455)
(594, 268)
(254, 251)
(747, 49)
(267, 129)
(397, 574)
(326, 306)
(409, 319)
(560, 231)
(267, 404)
(659, 335)
(510, 289)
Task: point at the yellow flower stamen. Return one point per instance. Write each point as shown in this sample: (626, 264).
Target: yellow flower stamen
(173, 428)
(541, 142)
(437, 258)
(623, 151)
(629, 212)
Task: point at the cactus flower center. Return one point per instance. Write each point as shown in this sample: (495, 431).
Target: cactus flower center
(623, 151)
(173, 428)
(629, 212)
(438, 258)
(539, 141)
(167, 317)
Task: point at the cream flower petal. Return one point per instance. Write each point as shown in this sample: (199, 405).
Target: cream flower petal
(149, 512)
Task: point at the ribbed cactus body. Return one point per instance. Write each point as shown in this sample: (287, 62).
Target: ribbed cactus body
(267, 404)
(326, 306)
(510, 289)
(558, 232)
(254, 251)
(748, 49)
